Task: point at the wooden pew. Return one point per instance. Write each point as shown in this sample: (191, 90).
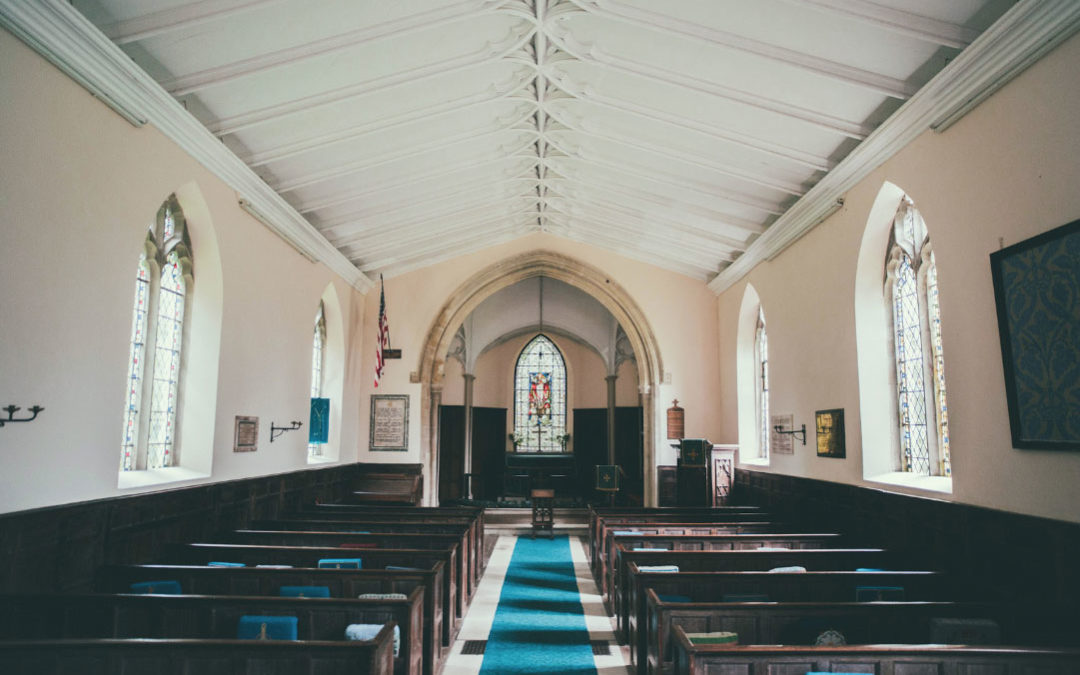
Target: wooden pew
(614, 515)
(386, 488)
(404, 513)
(308, 556)
(702, 542)
(603, 525)
(886, 659)
(380, 541)
(461, 526)
(252, 581)
(749, 560)
(610, 535)
(154, 657)
(206, 617)
(820, 586)
(798, 623)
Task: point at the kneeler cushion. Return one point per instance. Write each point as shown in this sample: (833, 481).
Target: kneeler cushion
(368, 631)
(717, 638)
(398, 568)
(304, 591)
(663, 597)
(159, 587)
(224, 564)
(658, 568)
(382, 596)
(341, 563)
(253, 627)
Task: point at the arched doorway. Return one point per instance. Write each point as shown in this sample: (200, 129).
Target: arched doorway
(496, 277)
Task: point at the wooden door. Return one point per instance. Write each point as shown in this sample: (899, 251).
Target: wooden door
(451, 452)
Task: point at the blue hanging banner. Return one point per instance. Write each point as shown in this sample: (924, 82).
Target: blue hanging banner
(319, 426)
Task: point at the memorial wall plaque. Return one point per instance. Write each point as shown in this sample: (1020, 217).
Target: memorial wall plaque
(389, 423)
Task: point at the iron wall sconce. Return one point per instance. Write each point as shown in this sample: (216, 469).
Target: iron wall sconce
(12, 409)
(797, 433)
(276, 431)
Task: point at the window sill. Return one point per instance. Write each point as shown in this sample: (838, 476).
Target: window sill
(904, 479)
(756, 461)
(319, 459)
(137, 479)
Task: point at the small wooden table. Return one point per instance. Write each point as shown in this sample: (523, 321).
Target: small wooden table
(543, 511)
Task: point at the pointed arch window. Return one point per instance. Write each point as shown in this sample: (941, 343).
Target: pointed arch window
(912, 287)
(163, 280)
(761, 361)
(540, 397)
(318, 361)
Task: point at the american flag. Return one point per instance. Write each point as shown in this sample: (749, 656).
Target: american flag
(384, 333)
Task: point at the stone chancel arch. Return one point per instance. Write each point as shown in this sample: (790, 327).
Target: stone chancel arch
(590, 280)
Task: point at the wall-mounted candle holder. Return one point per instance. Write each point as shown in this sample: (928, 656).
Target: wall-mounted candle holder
(276, 431)
(797, 433)
(12, 409)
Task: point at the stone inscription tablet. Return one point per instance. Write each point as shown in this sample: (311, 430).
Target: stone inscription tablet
(389, 423)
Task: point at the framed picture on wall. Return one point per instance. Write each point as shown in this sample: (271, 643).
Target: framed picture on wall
(1037, 292)
(830, 433)
(389, 430)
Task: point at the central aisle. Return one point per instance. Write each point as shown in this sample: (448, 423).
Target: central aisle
(539, 624)
(537, 611)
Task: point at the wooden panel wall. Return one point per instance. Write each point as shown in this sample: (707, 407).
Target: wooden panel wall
(991, 553)
(60, 548)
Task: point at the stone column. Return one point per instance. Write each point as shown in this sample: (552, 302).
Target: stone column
(432, 478)
(611, 418)
(467, 463)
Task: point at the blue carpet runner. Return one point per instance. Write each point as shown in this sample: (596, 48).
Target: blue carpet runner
(539, 624)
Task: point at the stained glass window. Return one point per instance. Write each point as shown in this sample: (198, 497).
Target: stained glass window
(761, 354)
(916, 333)
(153, 380)
(934, 311)
(540, 398)
(135, 367)
(318, 345)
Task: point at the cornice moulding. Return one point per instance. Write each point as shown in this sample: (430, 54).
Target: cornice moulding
(1025, 33)
(64, 37)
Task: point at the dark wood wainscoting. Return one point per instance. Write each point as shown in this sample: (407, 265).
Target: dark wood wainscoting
(1020, 557)
(59, 548)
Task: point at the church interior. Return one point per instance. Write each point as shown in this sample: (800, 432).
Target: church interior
(529, 336)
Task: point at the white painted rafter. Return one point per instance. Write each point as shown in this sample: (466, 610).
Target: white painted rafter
(395, 28)
(178, 19)
(898, 21)
(840, 72)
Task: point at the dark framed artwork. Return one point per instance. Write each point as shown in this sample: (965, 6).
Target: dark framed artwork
(830, 433)
(1037, 292)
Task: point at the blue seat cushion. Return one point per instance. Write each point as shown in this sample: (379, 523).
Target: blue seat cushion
(875, 593)
(403, 569)
(664, 597)
(266, 628)
(224, 564)
(341, 563)
(169, 587)
(304, 591)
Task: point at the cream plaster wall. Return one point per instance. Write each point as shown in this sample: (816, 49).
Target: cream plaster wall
(78, 188)
(1007, 171)
(686, 331)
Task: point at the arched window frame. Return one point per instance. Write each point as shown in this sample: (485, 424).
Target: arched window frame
(318, 363)
(909, 248)
(532, 432)
(761, 363)
(164, 281)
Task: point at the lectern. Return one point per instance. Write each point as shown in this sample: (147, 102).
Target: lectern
(693, 484)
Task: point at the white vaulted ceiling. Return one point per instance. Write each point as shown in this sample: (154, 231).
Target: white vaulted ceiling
(678, 132)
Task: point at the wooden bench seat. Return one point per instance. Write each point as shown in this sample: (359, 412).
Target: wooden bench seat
(888, 659)
(387, 488)
(706, 542)
(309, 556)
(214, 617)
(819, 586)
(799, 623)
(378, 541)
(155, 657)
(253, 581)
(460, 526)
(733, 561)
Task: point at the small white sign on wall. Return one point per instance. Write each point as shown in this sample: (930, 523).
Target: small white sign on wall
(781, 444)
